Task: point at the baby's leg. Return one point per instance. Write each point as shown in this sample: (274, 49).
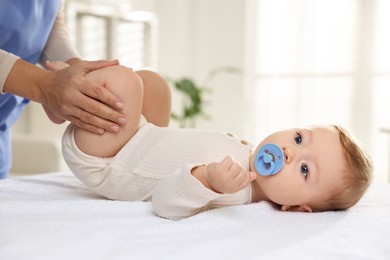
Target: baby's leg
(157, 98)
(127, 85)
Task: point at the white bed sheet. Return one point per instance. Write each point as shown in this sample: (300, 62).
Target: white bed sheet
(53, 216)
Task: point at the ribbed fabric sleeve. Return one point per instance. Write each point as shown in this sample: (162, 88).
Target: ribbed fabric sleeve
(7, 61)
(182, 195)
(59, 46)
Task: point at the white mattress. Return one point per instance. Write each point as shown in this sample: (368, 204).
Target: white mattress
(53, 216)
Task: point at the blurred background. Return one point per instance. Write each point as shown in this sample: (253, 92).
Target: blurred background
(279, 64)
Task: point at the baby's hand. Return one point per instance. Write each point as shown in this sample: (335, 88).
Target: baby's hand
(228, 176)
(56, 65)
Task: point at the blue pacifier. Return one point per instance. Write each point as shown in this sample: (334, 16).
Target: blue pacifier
(269, 160)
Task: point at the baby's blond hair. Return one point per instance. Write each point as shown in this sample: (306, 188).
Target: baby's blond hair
(356, 177)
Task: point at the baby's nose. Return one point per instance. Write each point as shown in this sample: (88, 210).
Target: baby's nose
(288, 154)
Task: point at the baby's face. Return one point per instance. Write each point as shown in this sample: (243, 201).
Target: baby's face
(314, 165)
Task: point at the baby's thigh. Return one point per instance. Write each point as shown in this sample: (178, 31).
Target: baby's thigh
(89, 169)
(118, 79)
(128, 87)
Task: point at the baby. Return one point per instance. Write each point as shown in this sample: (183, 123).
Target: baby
(187, 171)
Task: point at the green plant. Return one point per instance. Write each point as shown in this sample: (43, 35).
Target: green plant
(193, 96)
(193, 102)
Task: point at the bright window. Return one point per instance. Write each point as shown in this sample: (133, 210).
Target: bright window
(324, 62)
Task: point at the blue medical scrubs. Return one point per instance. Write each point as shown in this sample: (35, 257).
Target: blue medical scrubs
(25, 26)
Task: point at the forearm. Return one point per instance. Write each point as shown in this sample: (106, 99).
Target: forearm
(7, 61)
(26, 80)
(22, 78)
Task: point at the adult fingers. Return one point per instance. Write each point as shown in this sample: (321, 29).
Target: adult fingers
(97, 116)
(101, 102)
(81, 124)
(94, 65)
(95, 90)
(99, 92)
(55, 65)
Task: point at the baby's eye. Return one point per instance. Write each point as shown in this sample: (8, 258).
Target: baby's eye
(304, 170)
(298, 138)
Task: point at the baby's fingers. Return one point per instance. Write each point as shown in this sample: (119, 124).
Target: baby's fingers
(246, 178)
(227, 162)
(252, 176)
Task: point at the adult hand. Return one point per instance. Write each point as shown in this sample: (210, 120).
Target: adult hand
(68, 95)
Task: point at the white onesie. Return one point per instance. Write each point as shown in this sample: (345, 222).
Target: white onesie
(155, 165)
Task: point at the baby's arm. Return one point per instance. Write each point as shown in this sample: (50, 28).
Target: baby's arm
(183, 195)
(224, 177)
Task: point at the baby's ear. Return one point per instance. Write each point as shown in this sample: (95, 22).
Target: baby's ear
(297, 208)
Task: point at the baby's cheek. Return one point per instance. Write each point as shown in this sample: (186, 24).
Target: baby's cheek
(282, 189)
